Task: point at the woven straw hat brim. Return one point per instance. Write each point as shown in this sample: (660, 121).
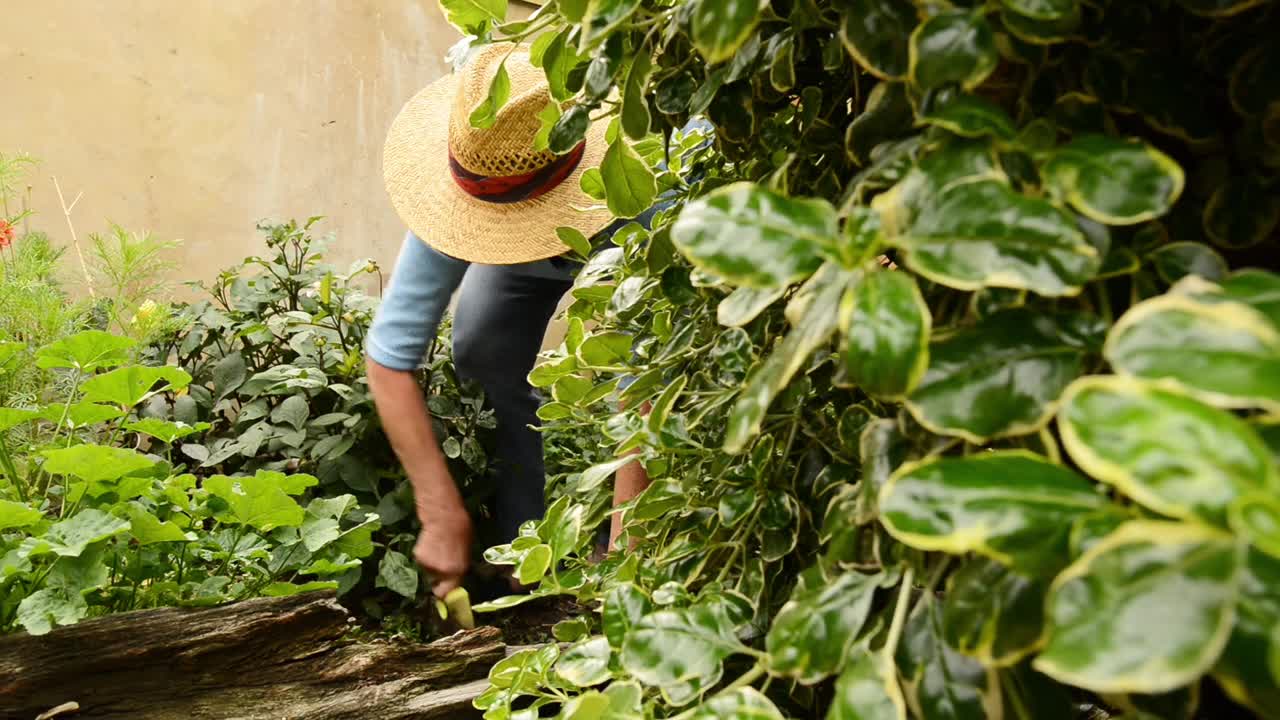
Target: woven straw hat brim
(415, 167)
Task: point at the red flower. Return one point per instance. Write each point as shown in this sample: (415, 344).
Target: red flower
(6, 234)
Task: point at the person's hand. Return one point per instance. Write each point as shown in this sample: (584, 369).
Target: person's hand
(444, 545)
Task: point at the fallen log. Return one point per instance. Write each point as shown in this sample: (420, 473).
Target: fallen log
(270, 658)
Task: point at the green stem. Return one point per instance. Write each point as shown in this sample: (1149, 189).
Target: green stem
(6, 461)
(899, 614)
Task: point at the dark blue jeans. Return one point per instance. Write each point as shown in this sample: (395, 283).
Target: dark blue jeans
(498, 328)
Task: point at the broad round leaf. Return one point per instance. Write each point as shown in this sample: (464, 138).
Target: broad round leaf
(17, 515)
(751, 236)
(680, 651)
(745, 703)
(875, 33)
(1113, 181)
(261, 502)
(469, 15)
(956, 47)
(721, 26)
(629, 184)
(40, 611)
(1257, 519)
(1242, 212)
(939, 681)
(1002, 376)
(1243, 668)
(970, 116)
(886, 326)
(1147, 610)
(128, 386)
(87, 351)
(1009, 505)
(812, 633)
(1043, 9)
(96, 463)
(983, 234)
(1224, 351)
(1169, 452)
(586, 664)
(70, 537)
(868, 690)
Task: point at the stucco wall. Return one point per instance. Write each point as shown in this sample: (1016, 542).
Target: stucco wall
(196, 119)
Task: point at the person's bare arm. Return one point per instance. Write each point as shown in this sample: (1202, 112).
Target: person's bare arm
(628, 482)
(444, 545)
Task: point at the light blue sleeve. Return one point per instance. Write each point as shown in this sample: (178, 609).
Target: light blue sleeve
(422, 284)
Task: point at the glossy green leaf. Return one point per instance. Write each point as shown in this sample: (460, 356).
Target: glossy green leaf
(635, 106)
(468, 15)
(886, 327)
(745, 703)
(993, 613)
(868, 689)
(1043, 9)
(751, 236)
(548, 116)
(812, 633)
(983, 234)
(721, 26)
(624, 605)
(956, 47)
(674, 648)
(601, 17)
(147, 529)
(70, 537)
(1147, 610)
(970, 116)
(629, 183)
(817, 306)
(1003, 376)
(937, 681)
(605, 350)
(398, 574)
(1243, 670)
(17, 515)
(1225, 351)
(1171, 453)
(1178, 260)
(86, 351)
(1113, 181)
(1257, 519)
(96, 463)
(486, 113)
(875, 33)
(745, 304)
(586, 664)
(1010, 505)
(260, 501)
(535, 564)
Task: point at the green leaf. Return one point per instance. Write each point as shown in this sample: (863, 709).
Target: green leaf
(17, 515)
(128, 386)
(70, 537)
(886, 326)
(868, 689)
(285, 589)
(745, 304)
(994, 613)
(96, 463)
(469, 15)
(165, 431)
(547, 118)
(744, 703)
(11, 418)
(398, 574)
(983, 234)
(1178, 260)
(40, 611)
(952, 47)
(1257, 519)
(624, 606)
(1043, 9)
(720, 27)
(1224, 351)
(603, 351)
(229, 374)
(938, 681)
(1010, 505)
(1002, 376)
(486, 113)
(817, 307)
(1242, 670)
(629, 184)
(680, 651)
(635, 105)
(875, 32)
(751, 236)
(535, 564)
(1106, 634)
(260, 502)
(87, 351)
(293, 412)
(812, 633)
(147, 529)
(1170, 453)
(969, 116)
(81, 414)
(587, 663)
(574, 240)
(1113, 181)
(559, 61)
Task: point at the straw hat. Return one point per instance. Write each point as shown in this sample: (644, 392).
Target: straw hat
(484, 195)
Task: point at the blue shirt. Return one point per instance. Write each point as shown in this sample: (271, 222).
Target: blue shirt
(423, 283)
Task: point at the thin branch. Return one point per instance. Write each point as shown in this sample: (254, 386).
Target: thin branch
(75, 240)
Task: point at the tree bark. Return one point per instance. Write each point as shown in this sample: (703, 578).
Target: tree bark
(270, 658)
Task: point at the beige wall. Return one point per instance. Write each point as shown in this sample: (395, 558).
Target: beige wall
(195, 119)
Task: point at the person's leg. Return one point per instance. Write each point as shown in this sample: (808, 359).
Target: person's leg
(498, 328)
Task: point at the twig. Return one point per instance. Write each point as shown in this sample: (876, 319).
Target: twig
(75, 240)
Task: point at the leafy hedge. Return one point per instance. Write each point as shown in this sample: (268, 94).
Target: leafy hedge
(1035, 458)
